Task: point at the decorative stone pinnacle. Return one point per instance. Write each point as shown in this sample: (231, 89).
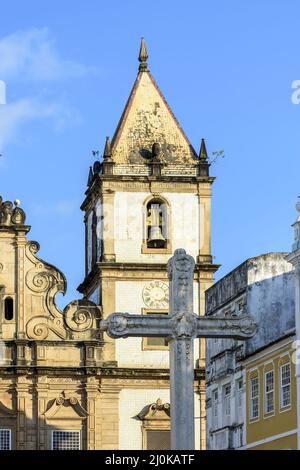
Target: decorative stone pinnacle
(90, 177)
(203, 152)
(11, 216)
(107, 149)
(143, 56)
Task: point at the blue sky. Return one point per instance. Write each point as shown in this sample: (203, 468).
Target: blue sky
(226, 69)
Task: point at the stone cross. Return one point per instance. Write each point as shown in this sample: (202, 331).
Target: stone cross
(181, 327)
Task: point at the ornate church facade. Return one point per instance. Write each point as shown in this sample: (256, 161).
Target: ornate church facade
(63, 383)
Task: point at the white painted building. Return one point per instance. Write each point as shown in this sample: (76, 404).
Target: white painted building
(263, 287)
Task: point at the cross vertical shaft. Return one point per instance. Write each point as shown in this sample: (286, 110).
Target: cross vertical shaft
(181, 275)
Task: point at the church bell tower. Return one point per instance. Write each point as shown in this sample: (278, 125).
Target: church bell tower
(149, 195)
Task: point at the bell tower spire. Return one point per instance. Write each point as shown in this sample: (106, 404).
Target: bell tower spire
(150, 188)
(143, 56)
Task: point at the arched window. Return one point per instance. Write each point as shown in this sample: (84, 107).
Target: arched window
(156, 224)
(8, 308)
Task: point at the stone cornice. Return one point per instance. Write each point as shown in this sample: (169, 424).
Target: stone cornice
(137, 183)
(128, 271)
(100, 372)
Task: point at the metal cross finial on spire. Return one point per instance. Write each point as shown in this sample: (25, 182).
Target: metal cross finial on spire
(143, 56)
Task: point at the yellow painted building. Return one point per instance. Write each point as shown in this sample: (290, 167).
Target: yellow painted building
(271, 402)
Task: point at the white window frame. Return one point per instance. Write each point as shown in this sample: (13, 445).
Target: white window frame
(227, 397)
(282, 406)
(9, 433)
(239, 399)
(270, 392)
(252, 398)
(65, 430)
(215, 408)
(226, 403)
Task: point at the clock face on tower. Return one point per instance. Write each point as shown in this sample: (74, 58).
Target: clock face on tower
(156, 294)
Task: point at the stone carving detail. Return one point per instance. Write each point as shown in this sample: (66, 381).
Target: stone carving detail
(184, 326)
(157, 410)
(65, 399)
(46, 280)
(78, 315)
(39, 327)
(79, 318)
(181, 274)
(10, 215)
(156, 294)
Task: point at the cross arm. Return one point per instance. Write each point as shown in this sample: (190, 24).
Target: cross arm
(241, 328)
(122, 325)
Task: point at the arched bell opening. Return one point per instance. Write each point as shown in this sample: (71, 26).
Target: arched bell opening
(156, 224)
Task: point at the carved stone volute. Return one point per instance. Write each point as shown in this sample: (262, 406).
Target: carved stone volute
(11, 215)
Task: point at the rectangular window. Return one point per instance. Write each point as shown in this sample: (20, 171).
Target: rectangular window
(5, 439)
(215, 408)
(65, 440)
(226, 404)
(155, 342)
(158, 440)
(269, 391)
(227, 393)
(254, 398)
(239, 399)
(285, 388)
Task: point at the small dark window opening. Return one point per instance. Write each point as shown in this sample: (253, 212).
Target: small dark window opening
(8, 308)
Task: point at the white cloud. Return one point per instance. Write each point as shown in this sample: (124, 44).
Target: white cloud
(13, 115)
(32, 55)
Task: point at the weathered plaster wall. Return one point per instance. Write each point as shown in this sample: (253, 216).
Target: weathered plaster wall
(270, 298)
(129, 225)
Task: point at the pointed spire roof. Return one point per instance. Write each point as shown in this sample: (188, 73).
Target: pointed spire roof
(147, 118)
(203, 152)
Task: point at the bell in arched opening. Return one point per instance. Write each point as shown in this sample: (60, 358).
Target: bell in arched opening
(155, 224)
